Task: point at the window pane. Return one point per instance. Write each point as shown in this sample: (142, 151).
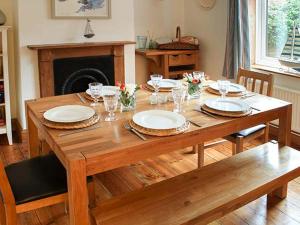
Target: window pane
(281, 15)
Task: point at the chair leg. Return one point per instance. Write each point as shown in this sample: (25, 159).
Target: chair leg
(239, 145)
(200, 155)
(266, 134)
(92, 195)
(10, 215)
(233, 148)
(195, 149)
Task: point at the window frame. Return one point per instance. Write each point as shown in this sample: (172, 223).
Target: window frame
(261, 37)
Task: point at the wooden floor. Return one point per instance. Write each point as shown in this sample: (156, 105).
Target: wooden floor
(116, 182)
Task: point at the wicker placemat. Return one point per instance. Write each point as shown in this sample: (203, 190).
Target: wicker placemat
(150, 88)
(88, 97)
(159, 133)
(223, 113)
(69, 126)
(229, 94)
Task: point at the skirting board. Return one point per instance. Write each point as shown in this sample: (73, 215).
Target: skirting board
(20, 135)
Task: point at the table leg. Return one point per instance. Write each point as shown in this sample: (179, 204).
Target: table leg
(284, 139)
(77, 190)
(33, 139)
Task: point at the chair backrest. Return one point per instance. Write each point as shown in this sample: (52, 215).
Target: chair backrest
(256, 81)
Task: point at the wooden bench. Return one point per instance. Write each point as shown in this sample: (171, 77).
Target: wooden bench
(206, 194)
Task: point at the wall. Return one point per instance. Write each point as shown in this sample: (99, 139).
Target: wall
(7, 6)
(37, 27)
(210, 27)
(159, 18)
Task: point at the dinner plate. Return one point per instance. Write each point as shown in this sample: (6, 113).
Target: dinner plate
(165, 83)
(159, 119)
(106, 90)
(227, 105)
(69, 114)
(233, 88)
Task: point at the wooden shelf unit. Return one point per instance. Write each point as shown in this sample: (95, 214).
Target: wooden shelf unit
(171, 63)
(4, 77)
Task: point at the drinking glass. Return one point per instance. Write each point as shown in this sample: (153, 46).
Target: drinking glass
(111, 104)
(156, 79)
(178, 94)
(223, 87)
(96, 91)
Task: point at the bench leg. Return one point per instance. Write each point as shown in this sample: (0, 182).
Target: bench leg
(279, 192)
(200, 155)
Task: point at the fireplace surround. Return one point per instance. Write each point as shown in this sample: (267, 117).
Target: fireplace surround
(50, 54)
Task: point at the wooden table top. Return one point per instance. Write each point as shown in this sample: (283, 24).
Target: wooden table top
(111, 145)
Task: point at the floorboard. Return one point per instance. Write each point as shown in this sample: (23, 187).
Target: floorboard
(140, 174)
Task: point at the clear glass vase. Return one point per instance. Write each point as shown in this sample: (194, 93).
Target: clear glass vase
(128, 104)
(193, 91)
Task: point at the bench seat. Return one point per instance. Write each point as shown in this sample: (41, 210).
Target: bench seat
(206, 194)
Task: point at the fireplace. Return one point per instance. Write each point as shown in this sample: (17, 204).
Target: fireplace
(68, 68)
(72, 75)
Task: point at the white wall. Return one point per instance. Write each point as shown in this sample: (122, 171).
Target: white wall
(159, 18)
(6, 6)
(37, 27)
(210, 27)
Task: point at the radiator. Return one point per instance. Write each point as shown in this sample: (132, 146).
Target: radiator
(292, 96)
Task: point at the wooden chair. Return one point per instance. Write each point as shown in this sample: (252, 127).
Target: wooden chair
(254, 81)
(33, 184)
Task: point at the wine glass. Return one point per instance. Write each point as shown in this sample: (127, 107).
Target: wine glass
(178, 94)
(111, 104)
(156, 79)
(96, 91)
(223, 87)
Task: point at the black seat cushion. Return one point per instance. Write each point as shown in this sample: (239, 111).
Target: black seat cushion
(37, 178)
(246, 132)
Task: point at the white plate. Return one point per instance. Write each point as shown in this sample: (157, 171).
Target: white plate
(106, 90)
(165, 83)
(159, 119)
(69, 114)
(227, 105)
(233, 88)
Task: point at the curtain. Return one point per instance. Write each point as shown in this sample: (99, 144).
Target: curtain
(237, 41)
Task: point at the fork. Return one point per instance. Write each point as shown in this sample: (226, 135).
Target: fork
(128, 127)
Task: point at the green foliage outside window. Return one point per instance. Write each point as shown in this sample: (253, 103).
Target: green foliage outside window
(280, 19)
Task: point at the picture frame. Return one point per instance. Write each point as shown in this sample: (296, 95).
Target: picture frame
(81, 9)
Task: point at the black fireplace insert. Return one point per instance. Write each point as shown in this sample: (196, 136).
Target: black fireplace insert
(72, 75)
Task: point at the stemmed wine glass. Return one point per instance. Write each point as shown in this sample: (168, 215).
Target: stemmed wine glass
(96, 91)
(178, 94)
(156, 79)
(111, 105)
(223, 87)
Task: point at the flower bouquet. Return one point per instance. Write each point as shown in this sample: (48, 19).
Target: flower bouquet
(194, 85)
(127, 96)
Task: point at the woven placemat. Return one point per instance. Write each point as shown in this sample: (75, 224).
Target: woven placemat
(229, 94)
(150, 88)
(223, 113)
(159, 133)
(88, 97)
(69, 126)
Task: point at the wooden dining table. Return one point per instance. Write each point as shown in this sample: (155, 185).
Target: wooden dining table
(111, 146)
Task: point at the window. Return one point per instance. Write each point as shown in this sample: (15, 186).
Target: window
(275, 26)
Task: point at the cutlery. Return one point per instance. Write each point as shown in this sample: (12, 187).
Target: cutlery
(206, 113)
(81, 98)
(255, 108)
(194, 123)
(78, 131)
(247, 96)
(128, 127)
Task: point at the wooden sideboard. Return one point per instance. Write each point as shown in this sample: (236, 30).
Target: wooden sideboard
(171, 63)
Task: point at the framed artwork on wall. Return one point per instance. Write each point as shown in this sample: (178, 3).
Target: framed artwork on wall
(100, 9)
